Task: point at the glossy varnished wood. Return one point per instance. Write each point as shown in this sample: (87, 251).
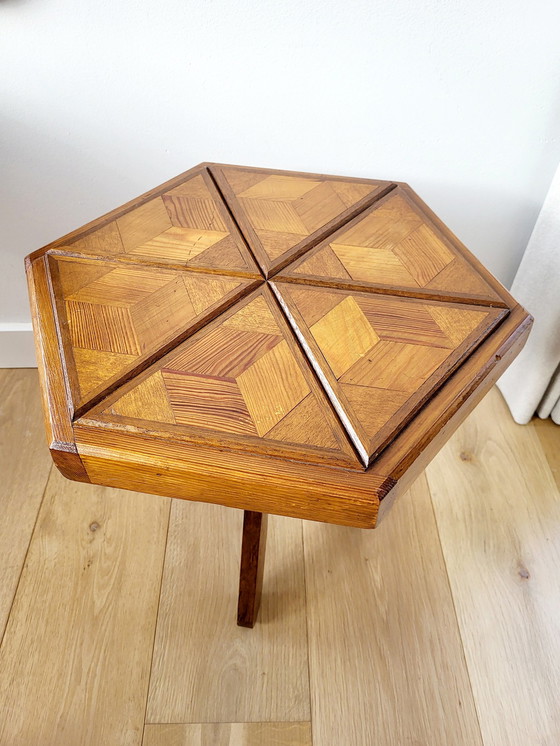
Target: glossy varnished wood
(240, 382)
(253, 548)
(383, 357)
(170, 363)
(284, 213)
(183, 223)
(57, 403)
(193, 471)
(414, 448)
(114, 318)
(396, 246)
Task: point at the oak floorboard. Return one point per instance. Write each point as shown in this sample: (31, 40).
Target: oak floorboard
(75, 659)
(386, 661)
(207, 669)
(498, 513)
(228, 734)
(549, 436)
(25, 465)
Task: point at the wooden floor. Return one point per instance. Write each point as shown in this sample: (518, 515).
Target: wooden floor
(439, 628)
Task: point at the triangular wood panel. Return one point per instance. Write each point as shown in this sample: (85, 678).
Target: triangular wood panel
(186, 226)
(114, 317)
(241, 381)
(394, 245)
(282, 213)
(381, 357)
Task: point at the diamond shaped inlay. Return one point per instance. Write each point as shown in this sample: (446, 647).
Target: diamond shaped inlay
(185, 225)
(395, 245)
(242, 375)
(114, 316)
(381, 356)
(295, 316)
(281, 214)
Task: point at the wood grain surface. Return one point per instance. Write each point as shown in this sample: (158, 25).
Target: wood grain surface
(205, 668)
(395, 246)
(82, 623)
(498, 513)
(381, 669)
(113, 318)
(253, 551)
(382, 621)
(185, 226)
(242, 379)
(165, 352)
(194, 471)
(228, 734)
(420, 441)
(284, 213)
(55, 391)
(548, 432)
(25, 466)
(177, 469)
(383, 357)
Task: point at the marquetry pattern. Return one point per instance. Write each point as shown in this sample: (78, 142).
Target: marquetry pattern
(393, 244)
(114, 315)
(236, 308)
(187, 226)
(281, 212)
(242, 377)
(383, 356)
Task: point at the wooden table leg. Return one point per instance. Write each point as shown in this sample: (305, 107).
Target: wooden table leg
(252, 567)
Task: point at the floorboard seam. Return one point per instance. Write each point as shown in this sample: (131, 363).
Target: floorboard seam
(467, 669)
(3, 633)
(307, 630)
(156, 619)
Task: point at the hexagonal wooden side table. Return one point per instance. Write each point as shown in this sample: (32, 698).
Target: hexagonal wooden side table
(273, 341)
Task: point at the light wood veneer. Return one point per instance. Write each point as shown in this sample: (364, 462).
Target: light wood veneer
(281, 342)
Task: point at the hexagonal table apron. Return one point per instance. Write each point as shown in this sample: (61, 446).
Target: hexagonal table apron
(278, 342)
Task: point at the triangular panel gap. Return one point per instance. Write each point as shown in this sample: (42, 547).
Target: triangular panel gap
(187, 225)
(283, 214)
(381, 358)
(241, 381)
(352, 434)
(234, 220)
(116, 319)
(394, 247)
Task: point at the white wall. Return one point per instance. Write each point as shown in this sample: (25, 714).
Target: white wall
(102, 100)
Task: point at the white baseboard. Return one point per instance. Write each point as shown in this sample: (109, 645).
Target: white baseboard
(17, 349)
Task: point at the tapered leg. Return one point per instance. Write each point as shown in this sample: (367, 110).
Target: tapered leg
(252, 567)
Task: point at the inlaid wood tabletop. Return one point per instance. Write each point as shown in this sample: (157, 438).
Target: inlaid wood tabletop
(275, 341)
